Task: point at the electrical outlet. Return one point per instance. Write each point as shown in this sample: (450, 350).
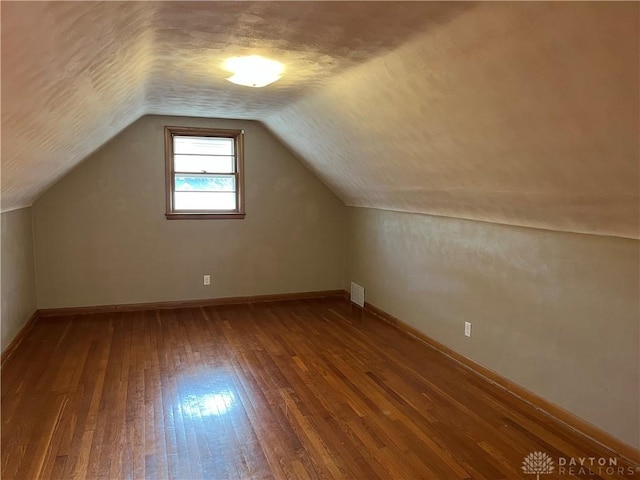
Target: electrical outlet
(467, 329)
(207, 279)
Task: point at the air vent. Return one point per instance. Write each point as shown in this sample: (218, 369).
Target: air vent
(357, 294)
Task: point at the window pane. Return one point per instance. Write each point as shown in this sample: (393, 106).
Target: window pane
(203, 145)
(204, 201)
(205, 183)
(198, 163)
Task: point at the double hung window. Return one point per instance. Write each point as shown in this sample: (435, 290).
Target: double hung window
(204, 173)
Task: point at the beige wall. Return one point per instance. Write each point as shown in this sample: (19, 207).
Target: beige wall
(557, 313)
(18, 276)
(101, 236)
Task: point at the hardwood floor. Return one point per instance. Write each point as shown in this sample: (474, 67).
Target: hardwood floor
(300, 390)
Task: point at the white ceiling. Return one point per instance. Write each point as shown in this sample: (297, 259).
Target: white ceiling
(517, 113)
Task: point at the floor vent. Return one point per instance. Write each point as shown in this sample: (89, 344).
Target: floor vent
(357, 294)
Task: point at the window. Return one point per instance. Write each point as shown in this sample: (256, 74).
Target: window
(204, 173)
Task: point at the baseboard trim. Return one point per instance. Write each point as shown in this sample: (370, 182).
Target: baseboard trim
(206, 302)
(556, 413)
(26, 328)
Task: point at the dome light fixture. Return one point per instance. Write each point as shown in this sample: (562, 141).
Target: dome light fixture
(253, 71)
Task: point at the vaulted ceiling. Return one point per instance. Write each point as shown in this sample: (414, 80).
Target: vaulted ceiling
(516, 113)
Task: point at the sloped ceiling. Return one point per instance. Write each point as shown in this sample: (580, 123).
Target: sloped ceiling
(516, 113)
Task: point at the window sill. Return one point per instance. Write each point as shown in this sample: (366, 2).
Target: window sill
(204, 216)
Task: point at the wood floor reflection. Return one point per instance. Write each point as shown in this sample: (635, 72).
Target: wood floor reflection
(301, 389)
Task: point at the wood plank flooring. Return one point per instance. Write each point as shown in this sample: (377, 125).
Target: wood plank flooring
(309, 389)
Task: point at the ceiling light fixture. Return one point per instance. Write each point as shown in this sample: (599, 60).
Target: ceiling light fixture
(253, 71)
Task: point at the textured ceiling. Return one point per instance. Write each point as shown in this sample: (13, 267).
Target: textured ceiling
(76, 73)
(517, 113)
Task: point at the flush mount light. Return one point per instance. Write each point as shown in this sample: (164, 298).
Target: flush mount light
(253, 71)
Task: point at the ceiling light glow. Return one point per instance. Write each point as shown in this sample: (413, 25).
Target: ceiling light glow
(253, 71)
